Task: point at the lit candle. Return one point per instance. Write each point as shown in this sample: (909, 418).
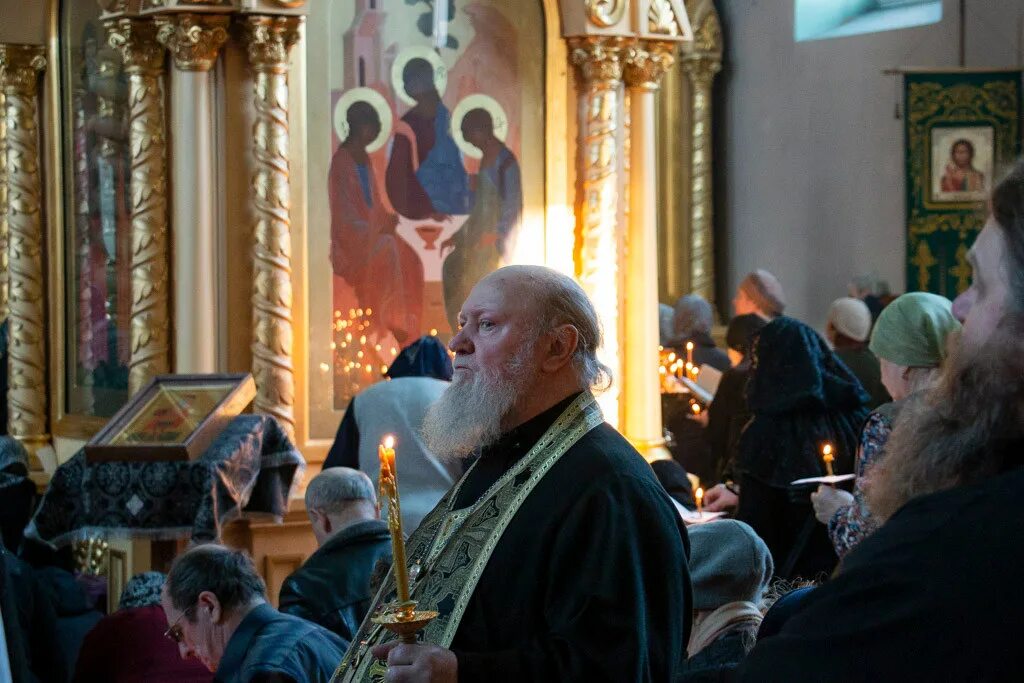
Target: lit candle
(689, 353)
(700, 501)
(389, 490)
(695, 407)
(694, 371)
(828, 457)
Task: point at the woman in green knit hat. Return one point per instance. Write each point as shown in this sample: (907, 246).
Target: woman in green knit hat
(910, 340)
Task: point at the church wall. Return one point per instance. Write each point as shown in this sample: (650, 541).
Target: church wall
(22, 22)
(810, 158)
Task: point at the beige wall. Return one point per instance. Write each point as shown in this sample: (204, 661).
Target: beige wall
(23, 22)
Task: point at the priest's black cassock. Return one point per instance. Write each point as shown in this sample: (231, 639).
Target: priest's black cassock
(587, 581)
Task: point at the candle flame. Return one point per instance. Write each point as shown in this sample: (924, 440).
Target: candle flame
(700, 493)
(389, 441)
(695, 408)
(826, 449)
(689, 346)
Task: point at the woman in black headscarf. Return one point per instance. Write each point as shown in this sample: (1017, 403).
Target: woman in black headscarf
(799, 397)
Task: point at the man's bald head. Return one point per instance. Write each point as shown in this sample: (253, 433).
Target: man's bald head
(338, 498)
(549, 300)
(334, 489)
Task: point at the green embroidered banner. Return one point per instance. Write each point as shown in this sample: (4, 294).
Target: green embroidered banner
(962, 133)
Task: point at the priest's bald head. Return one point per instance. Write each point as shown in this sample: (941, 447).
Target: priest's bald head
(527, 339)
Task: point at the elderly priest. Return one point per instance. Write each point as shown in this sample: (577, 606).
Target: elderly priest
(557, 556)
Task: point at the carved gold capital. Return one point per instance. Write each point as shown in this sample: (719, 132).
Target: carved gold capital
(19, 80)
(194, 40)
(268, 40)
(19, 68)
(646, 63)
(702, 69)
(598, 59)
(136, 40)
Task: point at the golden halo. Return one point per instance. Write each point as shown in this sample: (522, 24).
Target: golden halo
(468, 104)
(375, 100)
(440, 71)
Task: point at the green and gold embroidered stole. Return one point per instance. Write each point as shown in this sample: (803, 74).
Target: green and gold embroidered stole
(450, 549)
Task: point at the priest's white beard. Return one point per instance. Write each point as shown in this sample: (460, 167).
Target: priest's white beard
(469, 413)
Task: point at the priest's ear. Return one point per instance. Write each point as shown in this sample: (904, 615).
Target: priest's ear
(562, 345)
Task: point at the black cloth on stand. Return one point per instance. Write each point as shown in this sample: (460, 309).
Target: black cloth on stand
(929, 596)
(589, 580)
(248, 470)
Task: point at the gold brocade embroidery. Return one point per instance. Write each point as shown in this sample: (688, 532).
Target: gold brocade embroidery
(450, 549)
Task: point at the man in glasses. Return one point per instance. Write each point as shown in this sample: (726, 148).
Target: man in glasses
(216, 605)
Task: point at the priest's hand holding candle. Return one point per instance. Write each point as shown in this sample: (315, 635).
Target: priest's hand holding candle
(402, 619)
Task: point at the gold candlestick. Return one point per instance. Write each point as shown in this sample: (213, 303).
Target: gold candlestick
(402, 619)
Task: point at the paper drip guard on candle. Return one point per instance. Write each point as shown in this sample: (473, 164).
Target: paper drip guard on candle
(400, 617)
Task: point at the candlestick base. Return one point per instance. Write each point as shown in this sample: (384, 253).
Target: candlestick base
(405, 621)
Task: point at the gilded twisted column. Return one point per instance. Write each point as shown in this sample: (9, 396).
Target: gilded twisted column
(19, 79)
(645, 64)
(4, 279)
(194, 42)
(701, 65)
(598, 62)
(143, 59)
(268, 40)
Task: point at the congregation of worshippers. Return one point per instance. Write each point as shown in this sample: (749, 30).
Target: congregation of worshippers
(836, 506)
(743, 425)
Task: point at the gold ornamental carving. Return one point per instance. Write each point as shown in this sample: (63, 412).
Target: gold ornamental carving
(701, 71)
(661, 18)
(4, 273)
(605, 13)
(647, 62)
(194, 40)
(598, 62)
(707, 39)
(268, 40)
(143, 59)
(20, 66)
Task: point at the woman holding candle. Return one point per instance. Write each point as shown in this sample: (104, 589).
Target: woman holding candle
(910, 341)
(799, 397)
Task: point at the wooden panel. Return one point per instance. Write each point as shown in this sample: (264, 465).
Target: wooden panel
(276, 569)
(276, 549)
